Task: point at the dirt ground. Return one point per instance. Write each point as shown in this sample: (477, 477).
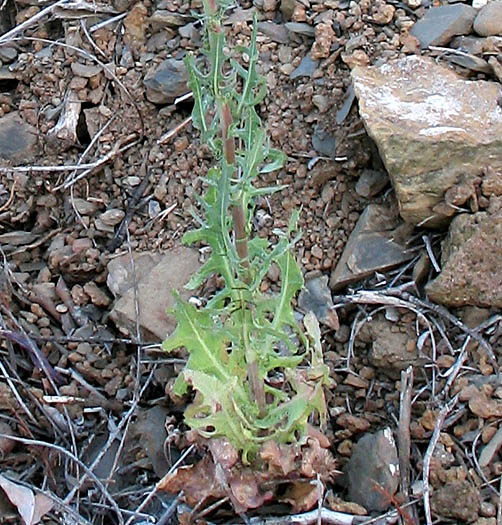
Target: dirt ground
(97, 396)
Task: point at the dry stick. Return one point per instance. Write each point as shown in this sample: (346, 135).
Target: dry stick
(499, 505)
(329, 517)
(455, 368)
(164, 138)
(428, 456)
(403, 435)
(11, 197)
(26, 169)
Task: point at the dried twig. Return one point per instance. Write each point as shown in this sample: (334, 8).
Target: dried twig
(447, 408)
(11, 197)
(403, 435)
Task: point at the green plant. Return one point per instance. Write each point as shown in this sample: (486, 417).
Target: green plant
(245, 347)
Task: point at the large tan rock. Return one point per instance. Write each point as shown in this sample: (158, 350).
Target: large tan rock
(156, 276)
(471, 261)
(434, 130)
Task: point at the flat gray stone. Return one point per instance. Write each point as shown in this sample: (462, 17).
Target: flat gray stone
(17, 139)
(373, 466)
(156, 281)
(433, 130)
(370, 248)
(441, 24)
(316, 297)
(167, 82)
(306, 68)
(371, 183)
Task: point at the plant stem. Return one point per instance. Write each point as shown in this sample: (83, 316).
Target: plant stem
(241, 246)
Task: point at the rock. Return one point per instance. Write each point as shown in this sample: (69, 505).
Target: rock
(472, 273)
(441, 24)
(324, 142)
(17, 139)
(276, 32)
(150, 429)
(168, 82)
(287, 8)
(120, 275)
(431, 128)
(491, 448)
(83, 70)
(371, 183)
(370, 248)
(316, 298)
(112, 217)
(458, 500)
(489, 20)
(391, 351)
(468, 61)
(306, 68)
(135, 25)
(8, 54)
(163, 18)
(154, 289)
(98, 297)
(352, 423)
(83, 206)
(300, 28)
(373, 465)
(481, 405)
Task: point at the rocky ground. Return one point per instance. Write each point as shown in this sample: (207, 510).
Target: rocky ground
(389, 114)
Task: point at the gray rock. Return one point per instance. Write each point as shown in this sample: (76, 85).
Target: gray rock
(276, 32)
(306, 68)
(468, 61)
(155, 286)
(112, 217)
(441, 24)
(168, 82)
(373, 465)
(371, 183)
(84, 207)
(469, 44)
(324, 142)
(432, 128)
(83, 70)
(120, 273)
(300, 28)
(8, 54)
(489, 20)
(17, 139)
(316, 298)
(472, 273)
(370, 248)
(164, 18)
